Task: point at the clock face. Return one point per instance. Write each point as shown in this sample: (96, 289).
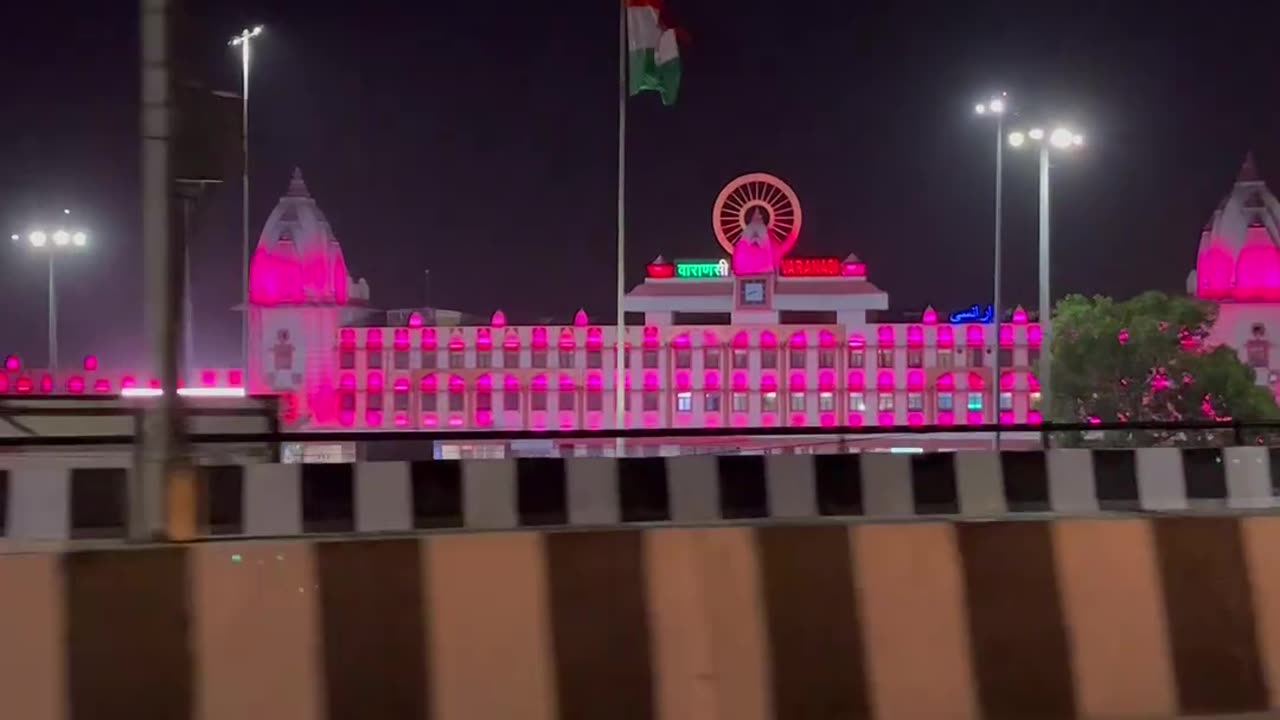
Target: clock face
(753, 292)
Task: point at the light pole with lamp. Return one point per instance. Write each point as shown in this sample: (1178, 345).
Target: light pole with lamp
(1060, 139)
(243, 41)
(996, 107)
(51, 244)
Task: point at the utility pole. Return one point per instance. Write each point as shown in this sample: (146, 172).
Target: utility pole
(161, 225)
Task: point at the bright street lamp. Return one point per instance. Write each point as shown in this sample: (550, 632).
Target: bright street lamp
(243, 41)
(62, 240)
(1061, 138)
(996, 107)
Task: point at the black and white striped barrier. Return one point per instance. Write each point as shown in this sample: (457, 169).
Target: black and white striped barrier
(278, 500)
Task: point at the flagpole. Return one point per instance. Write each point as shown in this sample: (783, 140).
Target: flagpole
(620, 383)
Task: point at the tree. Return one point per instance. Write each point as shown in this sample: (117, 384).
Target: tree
(1148, 359)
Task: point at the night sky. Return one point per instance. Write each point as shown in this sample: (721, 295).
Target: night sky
(478, 139)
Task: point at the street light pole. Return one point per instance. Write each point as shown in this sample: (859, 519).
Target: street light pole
(1061, 139)
(1046, 311)
(51, 244)
(243, 40)
(53, 318)
(997, 106)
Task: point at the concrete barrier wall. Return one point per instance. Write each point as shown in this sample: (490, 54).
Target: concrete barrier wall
(58, 503)
(1089, 618)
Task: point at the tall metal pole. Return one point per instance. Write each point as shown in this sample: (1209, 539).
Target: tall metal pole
(996, 310)
(1046, 310)
(53, 317)
(244, 200)
(620, 384)
(160, 226)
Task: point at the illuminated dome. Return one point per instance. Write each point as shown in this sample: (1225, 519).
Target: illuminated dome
(298, 258)
(1239, 257)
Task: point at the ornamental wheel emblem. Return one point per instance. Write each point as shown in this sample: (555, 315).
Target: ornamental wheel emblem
(762, 193)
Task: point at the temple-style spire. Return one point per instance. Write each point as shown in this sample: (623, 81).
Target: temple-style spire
(297, 186)
(1249, 170)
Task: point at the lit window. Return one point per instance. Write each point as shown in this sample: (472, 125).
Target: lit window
(884, 401)
(684, 358)
(915, 402)
(684, 402)
(711, 358)
(713, 401)
(595, 400)
(769, 359)
(374, 359)
(1033, 400)
(915, 358)
(566, 399)
(347, 359)
(857, 402)
(429, 359)
(511, 399)
(974, 356)
(826, 358)
(566, 358)
(739, 359)
(884, 358)
(402, 401)
(946, 402)
(538, 400)
(769, 402)
(373, 401)
(649, 359)
(1006, 357)
(797, 402)
(484, 359)
(857, 358)
(975, 401)
(429, 402)
(1006, 401)
(946, 358)
(402, 359)
(595, 359)
(799, 358)
(650, 400)
(457, 401)
(484, 401)
(511, 358)
(826, 401)
(457, 359)
(347, 401)
(740, 402)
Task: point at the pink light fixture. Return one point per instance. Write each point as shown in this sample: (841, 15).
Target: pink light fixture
(90, 363)
(12, 363)
(499, 319)
(580, 318)
(415, 319)
(1019, 316)
(930, 316)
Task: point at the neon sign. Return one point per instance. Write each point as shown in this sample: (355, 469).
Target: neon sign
(981, 314)
(697, 269)
(810, 267)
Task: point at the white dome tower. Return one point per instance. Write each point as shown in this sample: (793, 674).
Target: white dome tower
(299, 295)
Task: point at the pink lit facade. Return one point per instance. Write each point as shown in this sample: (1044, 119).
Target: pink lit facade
(720, 345)
(752, 367)
(1238, 267)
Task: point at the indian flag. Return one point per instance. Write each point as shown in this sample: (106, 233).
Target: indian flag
(655, 55)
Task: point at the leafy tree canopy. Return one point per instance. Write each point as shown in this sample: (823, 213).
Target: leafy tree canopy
(1147, 359)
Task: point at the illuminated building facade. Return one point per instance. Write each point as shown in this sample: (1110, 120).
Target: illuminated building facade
(720, 346)
(754, 336)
